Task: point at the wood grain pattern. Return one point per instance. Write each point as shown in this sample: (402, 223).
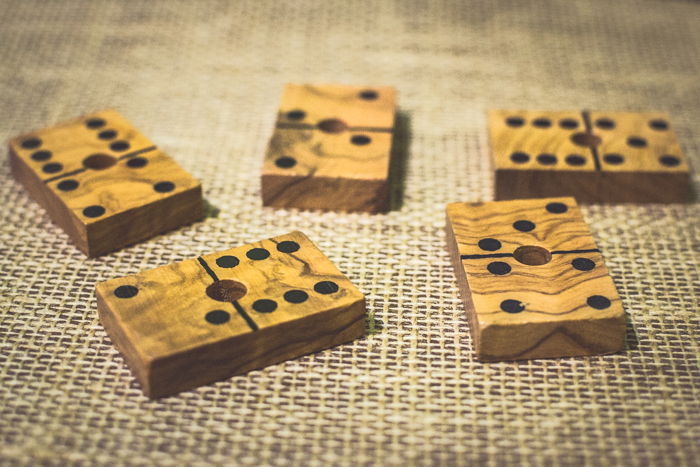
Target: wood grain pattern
(190, 323)
(331, 149)
(597, 157)
(104, 183)
(533, 280)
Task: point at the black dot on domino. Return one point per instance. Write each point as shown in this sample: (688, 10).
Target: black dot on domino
(296, 115)
(547, 159)
(93, 211)
(68, 185)
(287, 246)
(658, 124)
(31, 143)
(41, 156)
(258, 254)
(575, 160)
(164, 187)
(542, 122)
(613, 159)
(119, 146)
(598, 302)
(217, 317)
(107, 134)
(556, 208)
(512, 306)
(360, 140)
(52, 167)
(583, 264)
(568, 123)
(669, 161)
(636, 142)
(368, 95)
(227, 261)
(605, 124)
(125, 291)
(296, 296)
(326, 287)
(95, 123)
(515, 122)
(265, 305)
(519, 157)
(499, 268)
(285, 162)
(137, 162)
(523, 226)
(489, 244)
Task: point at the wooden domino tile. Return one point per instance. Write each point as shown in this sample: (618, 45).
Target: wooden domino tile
(104, 183)
(533, 280)
(597, 157)
(331, 149)
(191, 323)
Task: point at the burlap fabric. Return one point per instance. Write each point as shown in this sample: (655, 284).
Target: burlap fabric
(202, 79)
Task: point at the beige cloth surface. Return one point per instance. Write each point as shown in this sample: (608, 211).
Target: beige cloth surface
(202, 79)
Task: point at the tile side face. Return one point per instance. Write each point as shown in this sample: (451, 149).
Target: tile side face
(593, 156)
(533, 280)
(331, 149)
(105, 183)
(257, 305)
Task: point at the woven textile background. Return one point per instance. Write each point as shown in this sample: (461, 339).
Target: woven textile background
(202, 79)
